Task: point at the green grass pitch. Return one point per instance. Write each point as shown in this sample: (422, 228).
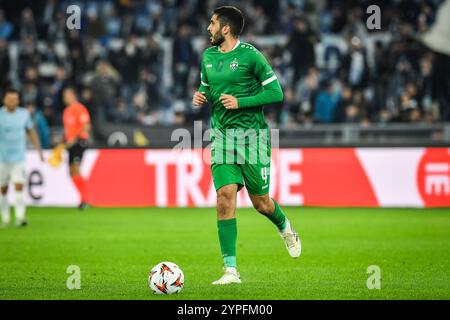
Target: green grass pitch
(115, 249)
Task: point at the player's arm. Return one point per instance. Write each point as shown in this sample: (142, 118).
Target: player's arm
(32, 135)
(68, 144)
(86, 129)
(271, 90)
(271, 93)
(201, 96)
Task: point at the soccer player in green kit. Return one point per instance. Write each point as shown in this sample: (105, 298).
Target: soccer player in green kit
(239, 81)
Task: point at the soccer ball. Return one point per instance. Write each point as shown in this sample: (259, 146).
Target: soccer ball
(166, 278)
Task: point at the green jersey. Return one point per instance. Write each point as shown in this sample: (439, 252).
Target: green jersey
(245, 74)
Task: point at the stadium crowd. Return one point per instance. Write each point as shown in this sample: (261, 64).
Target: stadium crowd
(117, 59)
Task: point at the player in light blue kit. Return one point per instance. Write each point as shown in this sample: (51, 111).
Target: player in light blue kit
(15, 125)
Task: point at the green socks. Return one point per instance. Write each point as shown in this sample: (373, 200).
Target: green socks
(278, 218)
(227, 230)
(227, 237)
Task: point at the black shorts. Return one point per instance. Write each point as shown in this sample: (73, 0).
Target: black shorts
(76, 151)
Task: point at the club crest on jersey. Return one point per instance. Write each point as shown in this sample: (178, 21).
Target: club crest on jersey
(234, 65)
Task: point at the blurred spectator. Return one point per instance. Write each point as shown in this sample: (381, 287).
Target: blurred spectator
(87, 98)
(127, 62)
(127, 26)
(40, 124)
(123, 113)
(442, 80)
(95, 26)
(151, 56)
(301, 47)
(6, 28)
(137, 61)
(258, 21)
(113, 22)
(352, 114)
(56, 86)
(104, 85)
(29, 57)
(338, 20)
(27, 26)
(183, 59)
(148, 85)
(355, 64)
(290, 111)
(325, 104)
(57, 28)
(142, 109)
(341, 112)
(50, 8)
(5, 64)
(409, 107)
(29, 93)
(77, 58)
(306, 92)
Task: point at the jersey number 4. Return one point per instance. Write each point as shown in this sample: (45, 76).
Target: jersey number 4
(265, 174)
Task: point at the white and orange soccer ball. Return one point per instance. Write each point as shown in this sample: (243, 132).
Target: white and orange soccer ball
(166, 278)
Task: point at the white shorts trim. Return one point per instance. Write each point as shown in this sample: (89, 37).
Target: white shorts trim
(12, 172)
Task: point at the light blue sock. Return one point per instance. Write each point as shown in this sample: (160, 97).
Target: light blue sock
(229, 261)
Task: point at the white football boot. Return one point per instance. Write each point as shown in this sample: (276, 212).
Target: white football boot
(291, 240)
(230, 276)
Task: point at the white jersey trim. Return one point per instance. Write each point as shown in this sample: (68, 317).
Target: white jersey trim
(272, 78)
(236, 45)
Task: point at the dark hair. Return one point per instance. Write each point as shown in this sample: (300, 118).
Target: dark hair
(232, 16)
(10, 90)
(71, 88)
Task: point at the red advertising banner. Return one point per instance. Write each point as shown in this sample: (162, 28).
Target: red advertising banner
(369, 177)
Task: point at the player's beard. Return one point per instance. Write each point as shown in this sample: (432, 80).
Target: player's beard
(217, 39)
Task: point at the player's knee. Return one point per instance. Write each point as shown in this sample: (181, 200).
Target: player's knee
(225, 194)
(225, 203)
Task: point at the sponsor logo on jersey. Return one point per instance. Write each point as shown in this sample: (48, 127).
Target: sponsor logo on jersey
(209, 65)
(234, 65)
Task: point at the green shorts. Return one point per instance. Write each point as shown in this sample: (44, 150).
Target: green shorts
(256, 178)
(242, 164)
